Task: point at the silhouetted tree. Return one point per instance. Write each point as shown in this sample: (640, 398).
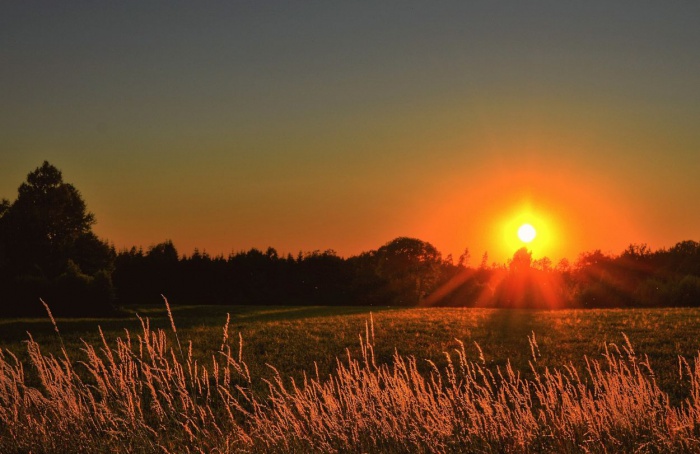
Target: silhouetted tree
(367, 286)
(46, 241)
(542, 264)
(484, 261)
(464, 258)
(563, 266)
(522, 259)
(684, 258)
(411, 267)
(407, 271)
(606, 281)
(163, 261)
(132, 279)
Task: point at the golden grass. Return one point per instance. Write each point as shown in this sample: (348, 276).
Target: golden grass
(147, 394)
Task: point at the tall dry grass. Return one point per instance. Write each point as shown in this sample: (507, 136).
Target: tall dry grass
(144, 393)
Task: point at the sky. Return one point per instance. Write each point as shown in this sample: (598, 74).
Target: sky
(341, 125)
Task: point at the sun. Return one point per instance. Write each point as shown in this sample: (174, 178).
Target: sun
(527, 233)
(524, 225)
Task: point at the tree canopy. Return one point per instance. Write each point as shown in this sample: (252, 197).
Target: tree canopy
(47, 245)
(48, 250)
(411, 266)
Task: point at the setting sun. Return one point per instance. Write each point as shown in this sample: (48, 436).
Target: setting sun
(526, 233)
(529, 223)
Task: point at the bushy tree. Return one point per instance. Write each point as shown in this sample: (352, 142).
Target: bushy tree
(411, 267)
(522, 261)
(46, 240)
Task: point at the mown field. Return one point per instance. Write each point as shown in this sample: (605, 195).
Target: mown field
(298, 341)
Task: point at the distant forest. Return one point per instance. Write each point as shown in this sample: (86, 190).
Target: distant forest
(48, 250)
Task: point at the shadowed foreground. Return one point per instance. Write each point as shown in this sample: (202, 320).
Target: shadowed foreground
(149, 394)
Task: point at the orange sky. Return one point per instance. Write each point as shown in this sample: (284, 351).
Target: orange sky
(303, 127)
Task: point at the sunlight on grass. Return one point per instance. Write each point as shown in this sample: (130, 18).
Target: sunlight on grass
(142, 393)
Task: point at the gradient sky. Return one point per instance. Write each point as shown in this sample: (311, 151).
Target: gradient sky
(316, 125)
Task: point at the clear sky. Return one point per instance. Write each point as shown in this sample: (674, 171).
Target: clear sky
(316, 125)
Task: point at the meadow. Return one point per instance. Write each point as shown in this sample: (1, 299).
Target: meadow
(352, 379)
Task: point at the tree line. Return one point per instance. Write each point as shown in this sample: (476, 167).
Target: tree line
(48, 250)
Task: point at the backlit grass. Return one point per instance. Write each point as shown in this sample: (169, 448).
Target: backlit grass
(329, 380)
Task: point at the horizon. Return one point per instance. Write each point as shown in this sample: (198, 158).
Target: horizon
(516, 226)
(317, 126)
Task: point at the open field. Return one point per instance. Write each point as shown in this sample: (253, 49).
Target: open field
(300, 339)
(293, 338)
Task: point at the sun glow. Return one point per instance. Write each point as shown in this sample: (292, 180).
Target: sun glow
(485, 213)
(532, 227)
(527, 233)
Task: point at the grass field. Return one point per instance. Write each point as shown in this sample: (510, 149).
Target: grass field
(296, 340)
(293, 338)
